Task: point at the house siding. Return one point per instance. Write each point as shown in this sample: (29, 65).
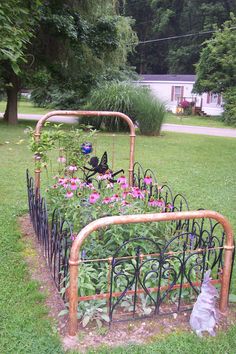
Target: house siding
(165, 91)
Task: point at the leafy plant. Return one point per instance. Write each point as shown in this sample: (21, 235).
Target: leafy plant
(135, 101)
(93, 311)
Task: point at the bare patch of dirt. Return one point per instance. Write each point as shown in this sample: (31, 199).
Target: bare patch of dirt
(138, 332)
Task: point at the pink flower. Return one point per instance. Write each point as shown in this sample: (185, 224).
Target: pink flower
(152, 202)
(55, 186)
(104, 176)
(124, 185)
(170, 207)
(110, 185)
(125, 194)
(106, 200)
(69, 194)
(61, 159)
(122, 180)
(61, 180)
(147, 180)
(72, 168)
(73, 186)
(115, 198)
(74, 180)
(73, 237)
(137, 193)
(160, 203)
(89, 186)
(124, 203)
(94, 197)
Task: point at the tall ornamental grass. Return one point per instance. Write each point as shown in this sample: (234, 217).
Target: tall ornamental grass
(135, 101)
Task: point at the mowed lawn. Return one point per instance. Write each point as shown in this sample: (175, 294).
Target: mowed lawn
(202, 168)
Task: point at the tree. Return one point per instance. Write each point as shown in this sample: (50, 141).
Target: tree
(216, 69)
(16, 29)
(61, 48)
(156, 19)
(77, 46)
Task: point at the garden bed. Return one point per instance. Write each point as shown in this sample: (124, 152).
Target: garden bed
(145, 269)
(131, 332)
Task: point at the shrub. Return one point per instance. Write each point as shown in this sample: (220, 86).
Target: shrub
(149, 113)
(229, 115)
(135, 101)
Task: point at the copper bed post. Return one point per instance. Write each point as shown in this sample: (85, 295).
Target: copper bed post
(123, 116)
(126, 219)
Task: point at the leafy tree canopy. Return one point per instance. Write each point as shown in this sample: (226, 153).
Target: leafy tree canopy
(216, 69)
(157, 19)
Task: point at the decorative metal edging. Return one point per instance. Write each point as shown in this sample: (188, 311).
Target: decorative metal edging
(114, 220)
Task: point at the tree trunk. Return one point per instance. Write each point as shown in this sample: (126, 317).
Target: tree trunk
(10, 114)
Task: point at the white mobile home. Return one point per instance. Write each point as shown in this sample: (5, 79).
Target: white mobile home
(172, 89)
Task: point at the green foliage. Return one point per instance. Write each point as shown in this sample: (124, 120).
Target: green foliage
(160, 19)
(229, 115)
(216, 69)
(25, 325)
(149, 113)
(69, 144)
(16, 30)
(135, 101)
(84, 46)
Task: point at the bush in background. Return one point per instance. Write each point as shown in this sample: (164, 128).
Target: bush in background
(135, 101)
(229, 115)
(149, 113)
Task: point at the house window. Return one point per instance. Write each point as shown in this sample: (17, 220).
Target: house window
(213, 98)
(177, 93)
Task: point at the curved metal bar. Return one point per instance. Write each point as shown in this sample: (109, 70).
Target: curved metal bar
(123, 116)
(143, 218)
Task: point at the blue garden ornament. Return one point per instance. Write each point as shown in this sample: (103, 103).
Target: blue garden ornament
(86, 148)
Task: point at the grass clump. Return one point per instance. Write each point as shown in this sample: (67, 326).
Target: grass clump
(135, 101)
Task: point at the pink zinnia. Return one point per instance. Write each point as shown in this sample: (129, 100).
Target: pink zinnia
(147, 180)
(122, 180)
(61, 159)
(69, 194)
(94, 197)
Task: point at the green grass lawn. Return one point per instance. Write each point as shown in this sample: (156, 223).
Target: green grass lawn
(26, 107)
(202, 168)
(214, 121)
